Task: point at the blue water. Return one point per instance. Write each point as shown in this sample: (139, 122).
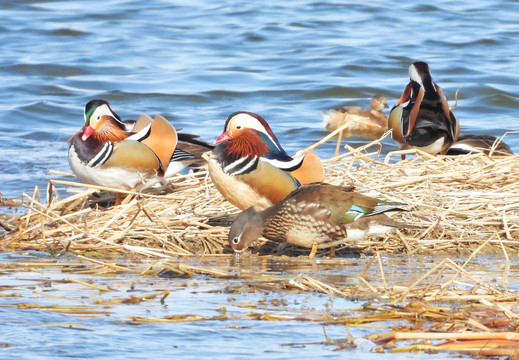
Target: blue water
(196, 62)
(103, 331)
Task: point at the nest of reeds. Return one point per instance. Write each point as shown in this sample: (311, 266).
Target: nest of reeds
(457, 202)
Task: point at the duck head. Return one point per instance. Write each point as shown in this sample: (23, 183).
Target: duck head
(247, 135)
(246, 229)
(378, 103)
(102, 123)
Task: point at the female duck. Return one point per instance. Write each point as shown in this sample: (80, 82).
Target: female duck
(316, 216)
(370, 123)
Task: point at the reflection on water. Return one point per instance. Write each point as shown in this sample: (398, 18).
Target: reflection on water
(47, 312)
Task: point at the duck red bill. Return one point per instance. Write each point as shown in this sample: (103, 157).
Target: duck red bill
(87, 131)
(223, 137)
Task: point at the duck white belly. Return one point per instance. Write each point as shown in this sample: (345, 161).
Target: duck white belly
(434, 148)
(115, 177)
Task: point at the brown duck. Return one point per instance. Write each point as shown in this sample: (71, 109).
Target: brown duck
(317, 215)
(370, 123)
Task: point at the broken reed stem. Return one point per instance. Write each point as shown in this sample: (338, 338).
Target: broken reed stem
(113, 266)
(381, 268)
(102, 289)
(453, 336)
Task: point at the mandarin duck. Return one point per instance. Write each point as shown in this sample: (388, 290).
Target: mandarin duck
(421, 118)
(250, 168)
(487, 144)
(317, 215)
(126, 155)
(370, 123)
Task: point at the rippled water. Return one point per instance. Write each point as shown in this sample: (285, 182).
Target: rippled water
(103, 331)
(198, 61)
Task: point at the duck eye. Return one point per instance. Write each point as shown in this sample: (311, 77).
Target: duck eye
(238, 127)
(236, 240)
(98, 117)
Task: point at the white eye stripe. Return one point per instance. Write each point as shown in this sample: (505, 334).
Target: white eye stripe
(248, 121)
(413, 74)
(101, 110)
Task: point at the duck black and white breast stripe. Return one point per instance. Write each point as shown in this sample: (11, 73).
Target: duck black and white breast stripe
(241, 166)
(102, 155)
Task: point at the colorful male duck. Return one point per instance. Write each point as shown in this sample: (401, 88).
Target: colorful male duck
(252, 169)
(421, 118)
(370, 123)
(125, 155)
(316, 216)
(487, 144)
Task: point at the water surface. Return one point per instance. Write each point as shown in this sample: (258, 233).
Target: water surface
(105, 330)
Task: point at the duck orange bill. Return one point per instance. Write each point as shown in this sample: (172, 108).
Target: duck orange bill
(223, 137)
(413, 114)
(87, 131)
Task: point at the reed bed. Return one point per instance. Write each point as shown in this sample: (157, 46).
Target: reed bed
(461, 205)
(458, 203)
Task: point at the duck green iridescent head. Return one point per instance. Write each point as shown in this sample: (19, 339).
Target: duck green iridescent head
(97, 112)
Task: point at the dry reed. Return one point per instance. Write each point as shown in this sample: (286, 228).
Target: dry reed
(465, 204)
(458, 202)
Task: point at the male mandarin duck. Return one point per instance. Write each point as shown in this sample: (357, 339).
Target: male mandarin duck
(421, 118)
(487, 144)
(370, 123)
(317, 215)
(126, 155)
(251, 168)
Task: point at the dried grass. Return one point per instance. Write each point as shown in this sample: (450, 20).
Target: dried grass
(459, 202)
(466, 204)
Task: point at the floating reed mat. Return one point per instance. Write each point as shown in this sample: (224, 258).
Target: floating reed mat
(458, 203)
(455, 307)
